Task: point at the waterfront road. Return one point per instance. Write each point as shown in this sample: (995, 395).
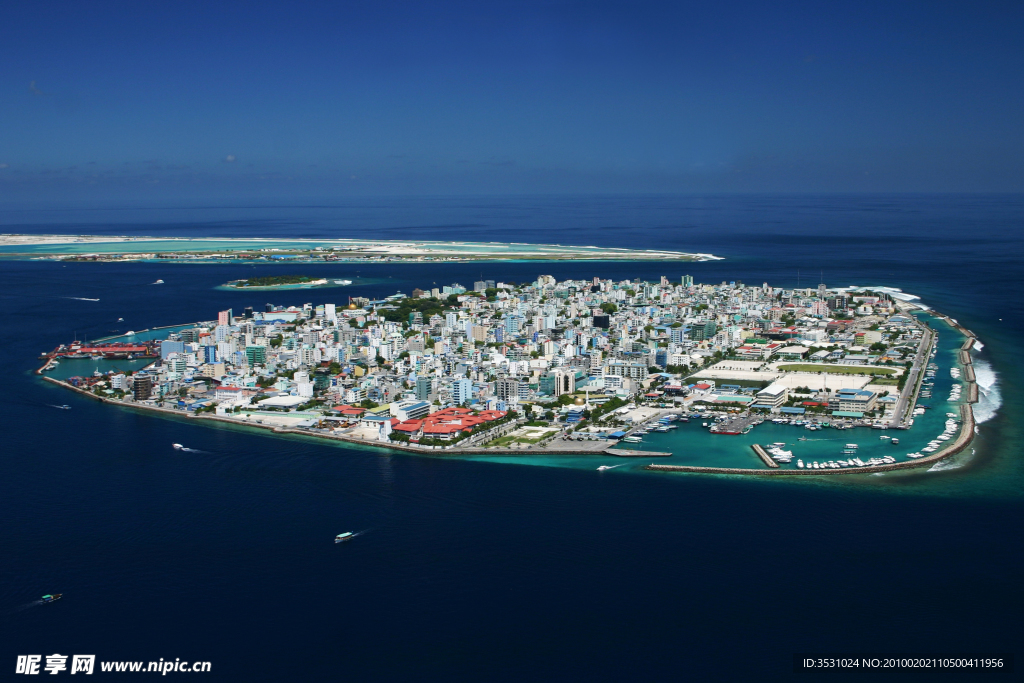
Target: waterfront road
(910, 386)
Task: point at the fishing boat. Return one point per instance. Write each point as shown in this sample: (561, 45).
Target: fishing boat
(52, 597)
(347, 536)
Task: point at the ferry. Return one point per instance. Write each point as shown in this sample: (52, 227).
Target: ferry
(347, 536)
(52, 597)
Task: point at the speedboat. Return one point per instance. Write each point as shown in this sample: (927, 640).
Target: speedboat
(602, 468)
(158, 282)
(177, 446)
(347, 536)
(52, 598)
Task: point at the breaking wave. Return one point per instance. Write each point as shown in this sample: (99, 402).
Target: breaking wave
(953, 462)
(990, 398)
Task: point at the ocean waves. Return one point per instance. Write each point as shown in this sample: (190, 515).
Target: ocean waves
(990, 398)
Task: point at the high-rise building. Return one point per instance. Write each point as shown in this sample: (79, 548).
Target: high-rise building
(142, 386)
(224, 318)
(687, 281)
(424, 387)
(506, 388)
(462, 391)
(256, 355)
(169, 346)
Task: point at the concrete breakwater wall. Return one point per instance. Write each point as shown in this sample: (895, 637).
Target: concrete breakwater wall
(961, 442)
(764, 456)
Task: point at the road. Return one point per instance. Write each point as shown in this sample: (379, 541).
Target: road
(920, 362)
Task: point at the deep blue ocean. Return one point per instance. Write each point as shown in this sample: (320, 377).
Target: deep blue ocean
(473, 570)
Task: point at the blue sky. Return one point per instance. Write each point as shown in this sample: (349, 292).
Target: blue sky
(214, 99)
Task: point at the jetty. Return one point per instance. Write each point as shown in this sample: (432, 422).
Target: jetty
(764, 456)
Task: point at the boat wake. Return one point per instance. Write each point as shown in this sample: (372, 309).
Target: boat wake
(990, 398)
(28, 605)
(80, 298)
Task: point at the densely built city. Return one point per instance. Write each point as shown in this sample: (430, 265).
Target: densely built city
(576, 365)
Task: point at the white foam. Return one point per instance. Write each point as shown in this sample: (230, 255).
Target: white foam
(978, 346)
(990, 398)
(894, 292)
(953, 462)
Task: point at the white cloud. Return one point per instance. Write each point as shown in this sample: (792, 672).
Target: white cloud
(229, 158)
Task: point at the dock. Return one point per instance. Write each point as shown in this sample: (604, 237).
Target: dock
(764, 456)
(622, 453)
(736, 426)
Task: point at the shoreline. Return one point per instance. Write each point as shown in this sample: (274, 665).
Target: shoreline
(126, 248)
(963, 440)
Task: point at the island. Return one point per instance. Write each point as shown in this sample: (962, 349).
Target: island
(113, 249)
(696, 378)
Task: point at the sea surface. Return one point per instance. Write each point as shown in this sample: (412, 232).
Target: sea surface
(484, 569)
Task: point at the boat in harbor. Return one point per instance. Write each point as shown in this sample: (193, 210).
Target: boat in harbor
(895, 441)
(54, 597)
(347, 536)
(851, 445)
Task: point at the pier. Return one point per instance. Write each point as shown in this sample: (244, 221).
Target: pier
(623, 453)
(736, 426)
(764, 456)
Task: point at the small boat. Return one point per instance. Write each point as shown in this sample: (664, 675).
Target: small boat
(895, 442)
(120, 320)
(347, 536)
(52, 598)
(177, 446)
(851, 445)
(158, 282)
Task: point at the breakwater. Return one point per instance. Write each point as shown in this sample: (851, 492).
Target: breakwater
(764, 456)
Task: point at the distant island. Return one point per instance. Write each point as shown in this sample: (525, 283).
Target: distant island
(279, 281)
(269, 250)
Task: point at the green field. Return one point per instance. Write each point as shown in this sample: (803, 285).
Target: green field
(836, 369)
